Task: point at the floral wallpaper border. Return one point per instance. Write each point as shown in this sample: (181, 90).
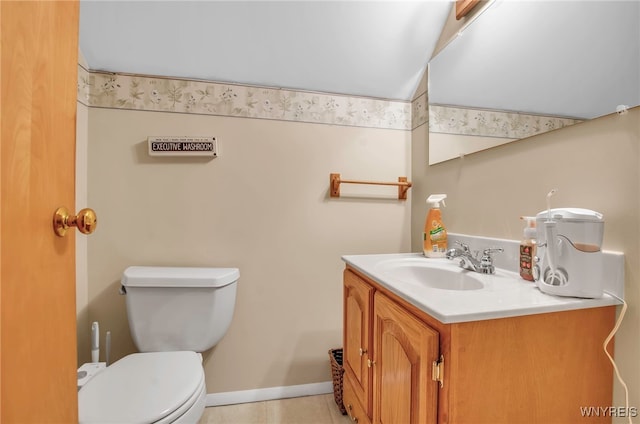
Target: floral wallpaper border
(491, 123)
(420, 111)
(134, 92)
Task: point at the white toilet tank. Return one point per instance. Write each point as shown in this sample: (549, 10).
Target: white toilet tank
(173, 308)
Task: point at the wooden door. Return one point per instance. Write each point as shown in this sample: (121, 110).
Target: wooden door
(37, 175)
(404, 350)
(358, 297)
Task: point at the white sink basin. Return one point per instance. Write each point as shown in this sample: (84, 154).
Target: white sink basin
(451, 294)
(434, 275)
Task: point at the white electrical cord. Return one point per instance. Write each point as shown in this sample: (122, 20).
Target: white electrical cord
(615, 367)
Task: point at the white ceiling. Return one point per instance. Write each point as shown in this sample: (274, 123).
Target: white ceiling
(367, 48)
(557, 58)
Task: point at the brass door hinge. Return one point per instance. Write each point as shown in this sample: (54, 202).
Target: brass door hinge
(437, 371)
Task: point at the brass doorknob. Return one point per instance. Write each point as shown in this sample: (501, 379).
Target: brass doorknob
(86, 221)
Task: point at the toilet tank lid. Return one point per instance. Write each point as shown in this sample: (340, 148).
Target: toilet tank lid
(156, 276)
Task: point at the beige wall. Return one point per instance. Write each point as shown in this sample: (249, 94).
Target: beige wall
(82, 271)
(443, 147)
(82, 283)
(594, 165)
(261, 206)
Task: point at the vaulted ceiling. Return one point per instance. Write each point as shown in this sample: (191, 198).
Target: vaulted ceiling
(367, 48)
(588, 53)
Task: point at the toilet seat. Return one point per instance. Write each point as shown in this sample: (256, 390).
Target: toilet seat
(156, 387)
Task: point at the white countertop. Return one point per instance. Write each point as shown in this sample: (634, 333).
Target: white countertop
(504, 293)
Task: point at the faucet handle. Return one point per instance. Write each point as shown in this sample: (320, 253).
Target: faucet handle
(486, 262)
(489, 251)
(465, 247)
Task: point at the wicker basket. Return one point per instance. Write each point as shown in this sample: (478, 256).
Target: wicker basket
(335, 357)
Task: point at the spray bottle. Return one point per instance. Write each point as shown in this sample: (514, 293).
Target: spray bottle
(528, 248)
(434, 238)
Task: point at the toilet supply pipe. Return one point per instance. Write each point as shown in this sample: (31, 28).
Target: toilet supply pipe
(95, 342)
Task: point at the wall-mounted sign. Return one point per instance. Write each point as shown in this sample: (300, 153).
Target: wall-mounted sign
(182, 146)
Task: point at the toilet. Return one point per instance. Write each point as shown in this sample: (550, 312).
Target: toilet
(174, 314)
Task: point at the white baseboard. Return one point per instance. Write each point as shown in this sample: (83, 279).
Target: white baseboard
(270, 393)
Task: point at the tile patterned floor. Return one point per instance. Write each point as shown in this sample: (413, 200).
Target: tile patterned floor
(320, 409)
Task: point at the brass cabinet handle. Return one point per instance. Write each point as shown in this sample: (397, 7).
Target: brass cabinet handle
(370, 363)
(362, 351)
(86, 221)
(354, 419)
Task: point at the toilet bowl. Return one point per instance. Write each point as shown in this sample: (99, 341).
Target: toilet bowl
(173, 313)
(157, 387)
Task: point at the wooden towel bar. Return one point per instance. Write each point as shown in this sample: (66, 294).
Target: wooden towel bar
(335, 181)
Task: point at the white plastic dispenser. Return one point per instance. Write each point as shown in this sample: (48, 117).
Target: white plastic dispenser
(569, 248)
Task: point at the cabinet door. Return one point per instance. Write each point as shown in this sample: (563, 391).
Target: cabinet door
(404, 350)
(352, 404)
(358, 297)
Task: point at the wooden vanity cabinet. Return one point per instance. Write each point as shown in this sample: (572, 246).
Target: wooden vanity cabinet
(528, 369)
(405, 348)
(357, 332)
(396, 386)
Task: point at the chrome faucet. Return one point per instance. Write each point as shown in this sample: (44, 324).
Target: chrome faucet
(470, 261)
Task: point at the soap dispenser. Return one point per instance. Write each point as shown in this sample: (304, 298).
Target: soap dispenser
(528, 248)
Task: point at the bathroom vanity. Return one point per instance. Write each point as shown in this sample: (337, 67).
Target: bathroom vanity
(494, 351)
